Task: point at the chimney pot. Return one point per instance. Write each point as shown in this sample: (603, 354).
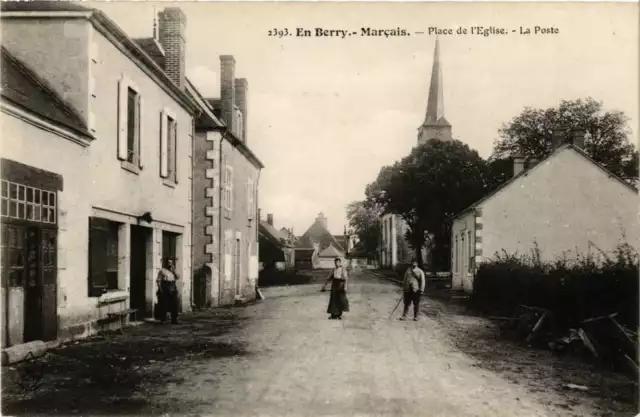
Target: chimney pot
(270, 219)
(518, 165)
(172, 27)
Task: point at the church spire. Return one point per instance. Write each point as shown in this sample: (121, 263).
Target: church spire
(435, 126)
(435, 104)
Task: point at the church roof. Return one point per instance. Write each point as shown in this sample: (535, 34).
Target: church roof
(435, 103)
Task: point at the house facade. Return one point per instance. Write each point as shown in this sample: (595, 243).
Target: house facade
(567, 205)
(394, 249)
(226, 179)
(317, 248)
(123, 198)
(276, 247)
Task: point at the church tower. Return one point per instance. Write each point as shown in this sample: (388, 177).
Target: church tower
(435, 126)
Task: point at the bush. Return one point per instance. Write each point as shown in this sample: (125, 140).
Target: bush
(573, 290)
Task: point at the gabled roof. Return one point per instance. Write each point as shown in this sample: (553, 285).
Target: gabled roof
(319, 234)
(331, 252)
(22, 87)
(515, 178)
(273, 234)
(153, 48)
(342, 240)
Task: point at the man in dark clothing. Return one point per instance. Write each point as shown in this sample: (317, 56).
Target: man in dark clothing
(414, 283)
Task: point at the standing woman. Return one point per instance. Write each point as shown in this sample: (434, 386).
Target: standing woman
(338, 302)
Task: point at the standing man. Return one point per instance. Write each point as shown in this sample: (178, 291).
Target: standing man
(414, 283)
(168, 292)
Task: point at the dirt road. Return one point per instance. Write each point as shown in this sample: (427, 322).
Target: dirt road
(282, 357)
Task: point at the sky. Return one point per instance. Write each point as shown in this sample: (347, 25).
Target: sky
(326, 113)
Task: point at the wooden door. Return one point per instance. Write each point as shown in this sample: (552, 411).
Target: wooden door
(138, 270)
(48, 264)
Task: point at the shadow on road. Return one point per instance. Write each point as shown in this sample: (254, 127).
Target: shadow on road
(113, 373)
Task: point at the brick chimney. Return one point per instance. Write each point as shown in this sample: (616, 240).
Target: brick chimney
(172, 27)
(270, 219)
(228, 90)
(518, 165)
(242, 85)
(322, 220)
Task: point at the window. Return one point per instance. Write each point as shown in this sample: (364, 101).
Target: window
(227, 190)
(28, 203)
(168, 146)
(129, 126)
(103, 256)
(251, 209)
(239, 124)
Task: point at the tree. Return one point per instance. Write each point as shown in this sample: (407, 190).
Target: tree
(364, 221)
(436, 181)
(530, 135)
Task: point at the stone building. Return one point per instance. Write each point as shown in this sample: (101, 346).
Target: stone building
(226, 178)
(97, 164)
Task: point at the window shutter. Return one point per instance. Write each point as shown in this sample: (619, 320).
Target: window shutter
(98, 241)
(122, 120)
(175, 151)
(140, 128)
(164, 171)
(230, 190)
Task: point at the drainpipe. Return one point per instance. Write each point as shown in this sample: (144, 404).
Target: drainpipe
(257, 224)
(193, 153)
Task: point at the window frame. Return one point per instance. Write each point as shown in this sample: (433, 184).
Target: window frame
(28, 201)
(128, 162)
(251, 209)
(105, 281)
(228, 190)
(169, 151)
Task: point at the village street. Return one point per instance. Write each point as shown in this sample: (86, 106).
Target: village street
(282, 357)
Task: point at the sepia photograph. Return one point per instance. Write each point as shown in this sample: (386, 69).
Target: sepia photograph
(320, 209)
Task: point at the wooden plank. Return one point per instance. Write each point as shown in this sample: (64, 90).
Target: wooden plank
(628, 340)
(609, 316)
(537, 327)
(587, 342)
(632, 365)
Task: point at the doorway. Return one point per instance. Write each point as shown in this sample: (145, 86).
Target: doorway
(140, 237)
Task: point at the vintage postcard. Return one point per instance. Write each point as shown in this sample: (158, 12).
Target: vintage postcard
(319, 208)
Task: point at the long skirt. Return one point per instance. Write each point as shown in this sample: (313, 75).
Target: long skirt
(338, 301)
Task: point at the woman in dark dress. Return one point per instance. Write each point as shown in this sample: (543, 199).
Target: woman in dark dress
(338, 302)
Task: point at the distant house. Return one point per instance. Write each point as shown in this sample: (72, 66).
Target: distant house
(567, 204)
(276, 247)
(317, 247)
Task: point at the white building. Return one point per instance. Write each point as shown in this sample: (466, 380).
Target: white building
(567, 204)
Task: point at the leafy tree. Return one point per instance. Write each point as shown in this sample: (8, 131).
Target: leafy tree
(364, 221)
(436, 181)
(530, 135)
